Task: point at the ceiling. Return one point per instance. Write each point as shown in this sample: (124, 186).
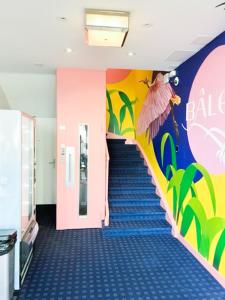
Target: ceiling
(33, 38)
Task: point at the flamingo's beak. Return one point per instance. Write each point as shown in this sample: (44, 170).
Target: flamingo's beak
(176, 100)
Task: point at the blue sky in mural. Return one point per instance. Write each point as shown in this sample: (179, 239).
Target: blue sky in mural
(186, 73)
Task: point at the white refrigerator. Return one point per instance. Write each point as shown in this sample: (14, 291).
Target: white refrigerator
(17, 185)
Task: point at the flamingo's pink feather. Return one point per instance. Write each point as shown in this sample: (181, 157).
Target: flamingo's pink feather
(154, 126)
(156, 107)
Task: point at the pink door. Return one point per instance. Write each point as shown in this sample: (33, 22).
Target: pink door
(80, 148)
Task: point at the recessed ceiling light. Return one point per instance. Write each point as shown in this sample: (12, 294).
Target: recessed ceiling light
(130, 53)
(69, 50)
(147, 25)
(61, 19)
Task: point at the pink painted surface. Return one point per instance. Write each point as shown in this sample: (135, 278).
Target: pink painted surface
(116, 75)
(206, 111)
(81, 99)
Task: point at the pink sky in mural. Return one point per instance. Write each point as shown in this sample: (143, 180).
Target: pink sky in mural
(205, 113)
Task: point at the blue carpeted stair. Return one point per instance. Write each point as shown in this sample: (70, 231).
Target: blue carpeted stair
(134, 207)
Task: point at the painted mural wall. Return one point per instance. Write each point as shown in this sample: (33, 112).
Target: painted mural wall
(182, 132)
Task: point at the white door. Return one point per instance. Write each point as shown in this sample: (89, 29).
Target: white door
(45, 158)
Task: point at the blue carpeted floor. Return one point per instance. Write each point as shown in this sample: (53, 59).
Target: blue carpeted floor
(82, 264)
(136, 258)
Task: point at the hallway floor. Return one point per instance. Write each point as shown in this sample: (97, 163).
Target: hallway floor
(82, 264)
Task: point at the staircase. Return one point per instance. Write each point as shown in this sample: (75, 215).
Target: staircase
(134, 207)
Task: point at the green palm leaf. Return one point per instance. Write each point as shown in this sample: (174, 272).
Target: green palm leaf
(172, 148)
(194, 209)
(219, 250)
(169, 169)
(187, 182)
(174, 183)
(174, 203)
(176, 179)
(188, 217)
(114, 124)
(109, 101)
(122, 115)
(128, 104)
(214, 226)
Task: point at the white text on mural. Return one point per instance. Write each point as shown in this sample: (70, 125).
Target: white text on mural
(206, 106)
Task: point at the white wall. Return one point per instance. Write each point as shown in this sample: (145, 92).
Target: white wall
(35, 94)
(4, 104)
(31, 93)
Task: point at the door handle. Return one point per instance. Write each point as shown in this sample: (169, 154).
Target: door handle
(70, 166)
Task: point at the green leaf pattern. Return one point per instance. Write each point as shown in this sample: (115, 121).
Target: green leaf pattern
(115, 125)
(188, 205)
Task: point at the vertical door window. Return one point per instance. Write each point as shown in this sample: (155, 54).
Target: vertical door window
(83, 197)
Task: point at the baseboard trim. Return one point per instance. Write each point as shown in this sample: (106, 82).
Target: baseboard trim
(202, 260)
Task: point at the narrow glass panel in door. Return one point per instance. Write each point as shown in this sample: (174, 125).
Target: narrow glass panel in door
(83, 197)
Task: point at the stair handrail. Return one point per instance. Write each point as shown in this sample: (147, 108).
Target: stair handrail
(107, 158)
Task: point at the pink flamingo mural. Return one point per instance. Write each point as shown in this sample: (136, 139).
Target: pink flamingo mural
(157, 106)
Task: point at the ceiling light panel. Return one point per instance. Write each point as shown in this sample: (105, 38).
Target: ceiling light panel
(106, 28)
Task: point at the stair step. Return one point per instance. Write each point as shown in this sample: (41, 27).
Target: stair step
(116, 146)
(123, 180)
(137, 178)
(119, 191)
(123, 152)
(132, 203)
(123, 155)
(128, 172)
(130, 195)
(126, 159)
(124, 191)
(138, 217)
(131, 176)
(126, 164)
(115, 141)
(136, 213)
(137, 228)
(128, 169)
(136, 210)
(132, 185)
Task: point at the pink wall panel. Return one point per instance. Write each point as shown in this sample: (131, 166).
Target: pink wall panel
(81, 99)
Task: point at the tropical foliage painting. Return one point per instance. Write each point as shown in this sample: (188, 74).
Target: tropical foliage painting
(188, 205)
(116, 124)
(196, 192)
